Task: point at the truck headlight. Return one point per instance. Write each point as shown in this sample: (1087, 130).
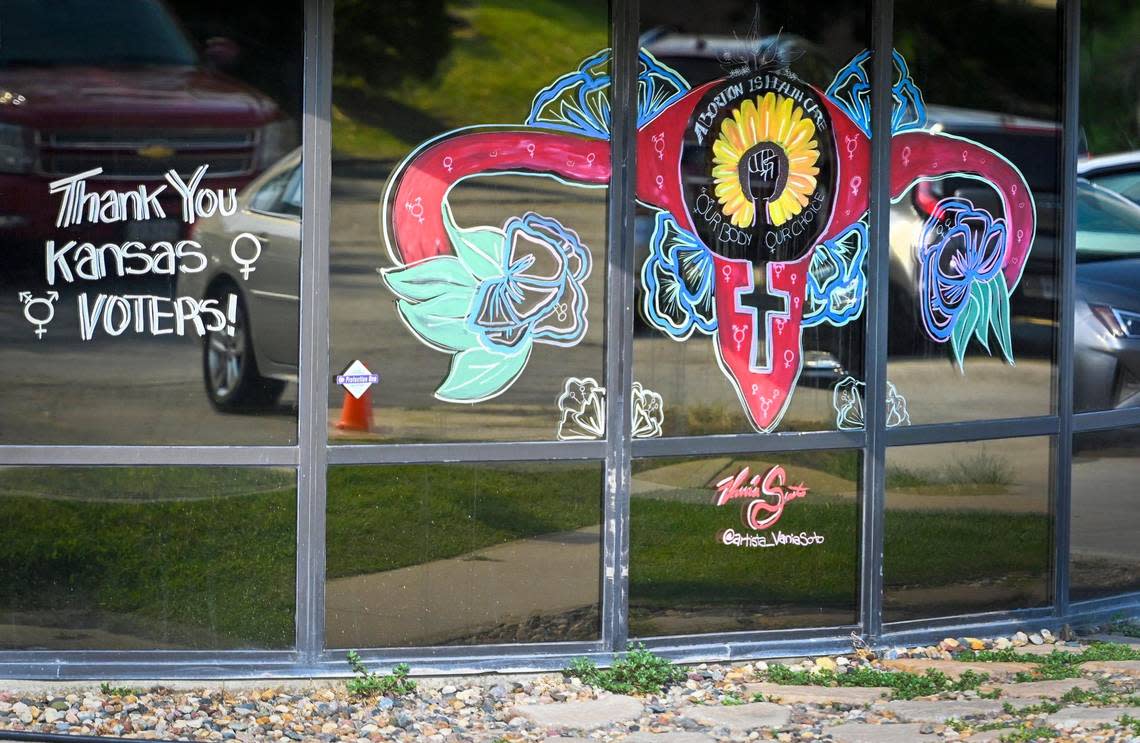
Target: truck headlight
(1119, 323)
(277, 140)
(16, 152)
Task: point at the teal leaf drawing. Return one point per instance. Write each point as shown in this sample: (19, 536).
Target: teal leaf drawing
(999, 316)
(440, 276)
(981, 293)
(478, 374)
(480, 249)
(440, 322)
(963, 330)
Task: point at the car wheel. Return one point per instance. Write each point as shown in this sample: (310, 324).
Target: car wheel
(229, 367)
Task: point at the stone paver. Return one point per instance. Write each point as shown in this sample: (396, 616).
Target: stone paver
(918, 711)
(990, 736)
(859, 732)
(852, 695)
(1036, 650)
(1128, 667)
(739, 717)
(1072, 716)
(668, 738)
(1040, 689)
(586, 715)
(955, 668)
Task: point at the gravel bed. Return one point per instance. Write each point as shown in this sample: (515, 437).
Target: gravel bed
(716, 702)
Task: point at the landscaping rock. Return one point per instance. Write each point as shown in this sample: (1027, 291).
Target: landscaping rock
(588, 715)
(740, 717)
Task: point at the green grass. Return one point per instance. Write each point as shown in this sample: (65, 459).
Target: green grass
(383, 518)
(218, 570)
(204, 557)
(141, 483)
(1056, 665)
(905, 685)
(211, 571)
(978, 474)
(1124, 627)
(503, 52)
(675, 557)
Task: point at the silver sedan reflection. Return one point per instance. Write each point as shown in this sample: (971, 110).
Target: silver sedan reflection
(248, 368)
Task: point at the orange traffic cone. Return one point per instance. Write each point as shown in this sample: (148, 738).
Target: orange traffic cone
(356, 413)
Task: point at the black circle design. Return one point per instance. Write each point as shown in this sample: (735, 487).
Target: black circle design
(763, 172)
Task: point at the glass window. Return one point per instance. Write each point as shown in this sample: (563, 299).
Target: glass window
(479, 134)
(975, 208)
(137, 558)
(139, 282)
(463, 554)
(1105, 553)
(743, 542)
(1107, 306)
(751, 229)
(968, 528)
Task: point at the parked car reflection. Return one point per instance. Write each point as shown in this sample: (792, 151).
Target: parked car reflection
(1107, 300)
(249, 368)
(87, 84)
(1120, 173)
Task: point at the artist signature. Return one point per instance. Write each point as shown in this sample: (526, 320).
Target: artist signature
(768, 493)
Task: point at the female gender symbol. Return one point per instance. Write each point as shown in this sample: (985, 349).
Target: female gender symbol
(246, 263)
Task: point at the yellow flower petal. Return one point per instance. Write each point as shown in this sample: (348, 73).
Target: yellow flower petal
(745, 216)
(776, 213)
(728, 188)
(725, 153)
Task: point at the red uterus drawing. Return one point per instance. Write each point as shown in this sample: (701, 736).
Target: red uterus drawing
(754, 200)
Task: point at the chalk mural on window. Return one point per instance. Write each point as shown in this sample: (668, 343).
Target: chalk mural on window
(75, 261)
(582, 411)
(847, 399)
(757, 184)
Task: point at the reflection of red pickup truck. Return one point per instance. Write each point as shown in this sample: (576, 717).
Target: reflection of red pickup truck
(90, 84)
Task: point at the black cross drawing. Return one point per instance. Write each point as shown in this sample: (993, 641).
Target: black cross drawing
(764, 304)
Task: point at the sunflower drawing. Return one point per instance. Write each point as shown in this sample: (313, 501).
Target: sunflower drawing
(766, 156)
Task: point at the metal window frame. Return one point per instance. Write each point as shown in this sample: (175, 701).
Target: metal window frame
(313, 453)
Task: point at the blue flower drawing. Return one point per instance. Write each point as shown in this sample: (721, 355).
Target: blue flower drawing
(851, 91)
(579, 102)
(837, 279)
(962, 290)
(503, 291)
(539, 295)
(677, 280)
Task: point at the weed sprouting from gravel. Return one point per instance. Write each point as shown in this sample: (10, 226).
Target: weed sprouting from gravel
(366, 683)
(639, 670)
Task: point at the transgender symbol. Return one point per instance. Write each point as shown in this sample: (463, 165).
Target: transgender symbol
(46, 311)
